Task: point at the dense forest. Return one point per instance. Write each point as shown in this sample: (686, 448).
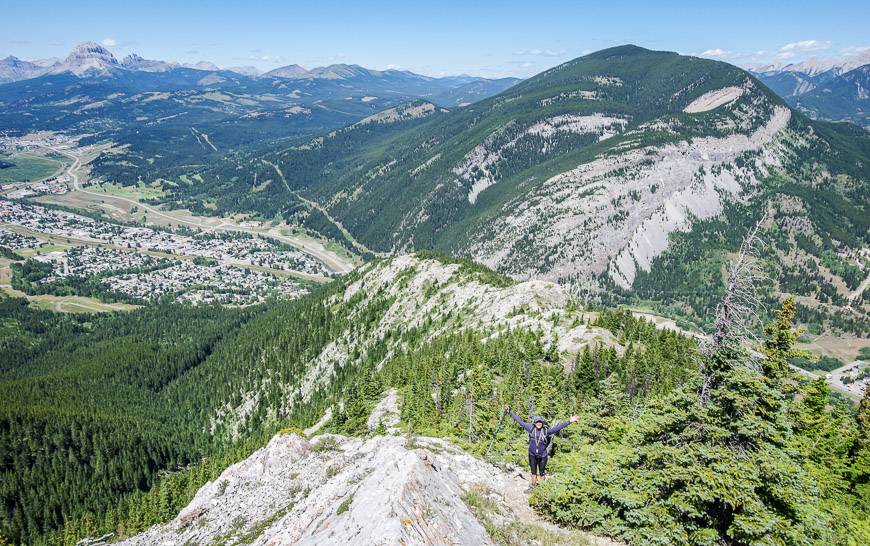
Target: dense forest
(83, 420)
(110, 426)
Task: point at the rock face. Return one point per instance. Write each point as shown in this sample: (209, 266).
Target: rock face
(13, 69)
(337, 490)
(613, 214)
(88, 58)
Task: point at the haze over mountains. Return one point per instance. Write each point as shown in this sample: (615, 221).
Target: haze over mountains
(562, 244)
(91, 59)
(150, 106)
(835, 89)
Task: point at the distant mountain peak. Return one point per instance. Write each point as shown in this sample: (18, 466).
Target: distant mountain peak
(252, 71)
(816, 66)
(14, 69)
(91, 50)
(135, 61)
(202, 65)
(131, 59)
(87, 58)
(291, 71)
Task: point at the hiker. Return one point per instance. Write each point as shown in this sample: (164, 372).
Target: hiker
(539, 439)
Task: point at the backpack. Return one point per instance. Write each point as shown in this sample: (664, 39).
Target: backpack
(547, 439)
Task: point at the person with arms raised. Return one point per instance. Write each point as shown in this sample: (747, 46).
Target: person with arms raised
(539, 440)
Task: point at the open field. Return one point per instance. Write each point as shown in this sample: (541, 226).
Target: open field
(77, 304)
(139, 191)
(29, 167)
(44, 249)
(844, 348)
(5, 272)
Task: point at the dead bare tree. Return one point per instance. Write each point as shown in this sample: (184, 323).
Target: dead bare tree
(737, 317)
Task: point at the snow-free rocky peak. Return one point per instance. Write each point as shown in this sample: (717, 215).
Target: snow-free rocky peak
(290, 72)
(13, 69)
(87, 58)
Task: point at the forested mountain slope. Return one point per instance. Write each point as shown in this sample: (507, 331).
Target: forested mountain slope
(594, 173)
(161, 387)
(191, 390)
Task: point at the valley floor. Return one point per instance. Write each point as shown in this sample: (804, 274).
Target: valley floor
(126, 206)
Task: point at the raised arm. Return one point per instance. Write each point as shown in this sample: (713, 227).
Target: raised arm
(519, 421)
(554, 429)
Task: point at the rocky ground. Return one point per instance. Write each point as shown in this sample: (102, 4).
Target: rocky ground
(381, 490)
(386, 489)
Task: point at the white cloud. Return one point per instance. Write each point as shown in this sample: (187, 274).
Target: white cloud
(540, 52)
(717, 53)
(791, 49)
(855, 50)
(393, 67)
(109, 42)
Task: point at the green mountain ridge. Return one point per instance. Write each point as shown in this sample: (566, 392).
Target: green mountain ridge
(584, 174)
(177, 393)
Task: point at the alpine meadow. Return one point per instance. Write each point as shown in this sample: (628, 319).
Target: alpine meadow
(507, 281)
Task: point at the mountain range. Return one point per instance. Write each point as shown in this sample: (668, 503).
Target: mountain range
(90, 59)
(153, 110)
(824, 88)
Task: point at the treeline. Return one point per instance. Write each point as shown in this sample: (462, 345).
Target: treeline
(84, 420)
(142, 405)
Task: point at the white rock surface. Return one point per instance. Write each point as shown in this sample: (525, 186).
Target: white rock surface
(714, 99)
(378, 491)
(614, 213)
(478, 167)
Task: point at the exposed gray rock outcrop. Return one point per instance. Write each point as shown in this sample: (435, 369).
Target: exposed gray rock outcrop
(337, 490)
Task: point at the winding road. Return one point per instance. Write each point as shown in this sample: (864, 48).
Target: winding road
(317, 251)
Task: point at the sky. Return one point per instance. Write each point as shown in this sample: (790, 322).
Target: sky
(477, 37)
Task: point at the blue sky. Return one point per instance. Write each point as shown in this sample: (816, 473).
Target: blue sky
(487, 38)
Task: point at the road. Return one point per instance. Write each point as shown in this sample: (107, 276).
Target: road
(313, 204)
(330, 259)
(837, 378)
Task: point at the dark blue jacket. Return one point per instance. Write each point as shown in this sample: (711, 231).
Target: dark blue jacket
(539, 439)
